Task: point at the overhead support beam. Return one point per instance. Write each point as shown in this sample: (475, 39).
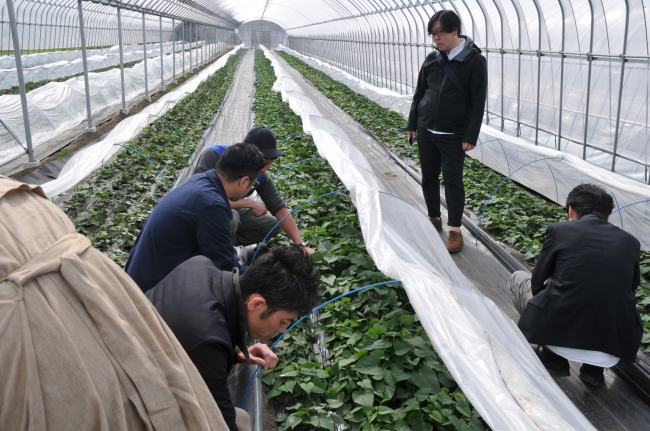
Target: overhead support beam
(223, 24)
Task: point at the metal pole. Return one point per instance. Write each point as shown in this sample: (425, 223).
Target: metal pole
(539, 71)
(84, 58)
(191, 49)
(620, 88)
(119, 38)
(590, 60)
(21, 83)
(146, 70)
(174, 52)
(162, 57)
(559, 131)
(183, 45)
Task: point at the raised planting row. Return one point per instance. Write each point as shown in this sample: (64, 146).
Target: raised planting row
(380, 371)
(514, 216)
(113, 204)
(29, 86)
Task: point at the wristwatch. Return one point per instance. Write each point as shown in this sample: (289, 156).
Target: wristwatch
(301, 244)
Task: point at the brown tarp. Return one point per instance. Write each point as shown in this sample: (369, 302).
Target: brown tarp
(81, 348)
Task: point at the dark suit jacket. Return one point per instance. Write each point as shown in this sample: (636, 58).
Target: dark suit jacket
(592, 269)
(202, 307)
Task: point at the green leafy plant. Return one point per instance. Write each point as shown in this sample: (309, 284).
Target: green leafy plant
(380, 371)
(111, 207)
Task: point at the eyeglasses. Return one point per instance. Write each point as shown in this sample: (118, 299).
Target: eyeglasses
(438, 33)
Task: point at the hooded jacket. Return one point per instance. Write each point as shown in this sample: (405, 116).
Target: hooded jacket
(438, 104)
(204, 308)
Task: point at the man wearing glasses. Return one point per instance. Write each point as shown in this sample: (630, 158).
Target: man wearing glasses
(252, 221)
(194, 219)
(446, 116)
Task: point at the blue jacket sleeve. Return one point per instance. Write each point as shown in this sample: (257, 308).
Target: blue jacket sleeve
(213, 237)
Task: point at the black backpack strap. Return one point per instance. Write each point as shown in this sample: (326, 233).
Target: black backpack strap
(453, 78)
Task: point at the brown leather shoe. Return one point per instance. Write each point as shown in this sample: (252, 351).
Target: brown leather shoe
(437, 223)
(454, 242)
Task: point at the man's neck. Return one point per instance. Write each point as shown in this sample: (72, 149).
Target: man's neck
(228, 187)
(457, 43)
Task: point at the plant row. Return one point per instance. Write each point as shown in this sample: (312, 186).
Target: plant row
(514, 216)
(112, 205)
(380, 371)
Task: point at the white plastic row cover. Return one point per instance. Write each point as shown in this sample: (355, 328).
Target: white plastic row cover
(481, 346)
(59, 69)
(59, 106)
(85, 161)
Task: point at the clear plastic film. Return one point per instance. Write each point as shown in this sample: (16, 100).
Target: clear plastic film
(59, 106)
(63, 68)
(85, 161)
(483, 349)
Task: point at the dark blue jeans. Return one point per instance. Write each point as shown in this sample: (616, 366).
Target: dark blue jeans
(442, 152)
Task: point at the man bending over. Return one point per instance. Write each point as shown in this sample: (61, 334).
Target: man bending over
(210, 311)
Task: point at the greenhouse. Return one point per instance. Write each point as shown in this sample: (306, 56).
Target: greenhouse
(325, 215)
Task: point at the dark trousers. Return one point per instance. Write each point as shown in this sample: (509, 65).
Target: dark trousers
(442, 152)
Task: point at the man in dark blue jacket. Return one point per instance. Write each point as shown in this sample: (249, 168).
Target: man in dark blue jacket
(579, 304)
(252, 221)
(194, 219)
(211, 311)
(446, 116)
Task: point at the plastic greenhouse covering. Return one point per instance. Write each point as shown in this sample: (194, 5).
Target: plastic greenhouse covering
(58, 106)
(63, 68)
(483, 349)
(90, 158)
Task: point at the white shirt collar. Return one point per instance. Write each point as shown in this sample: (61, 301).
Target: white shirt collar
(454, 52)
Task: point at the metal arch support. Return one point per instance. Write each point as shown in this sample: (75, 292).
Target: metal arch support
(539, 68)
(125, 111)
(589, 58)
(162, 57)
(174, 52)
(146, 69)
(21, 79)
(620, 87)
(559, 133)
(84, 57)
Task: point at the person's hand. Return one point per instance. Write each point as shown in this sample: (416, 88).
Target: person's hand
(308, 250)
(258, 208)
(412, 134)
(261, 355)
(468, 147)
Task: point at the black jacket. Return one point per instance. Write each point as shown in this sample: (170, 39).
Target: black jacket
(440, 105)
(203, 307)
(588, 303)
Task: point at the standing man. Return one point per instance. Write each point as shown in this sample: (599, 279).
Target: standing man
(446, 117)
(579, 304)
(211, 311)
(195, 219)
(251, 220)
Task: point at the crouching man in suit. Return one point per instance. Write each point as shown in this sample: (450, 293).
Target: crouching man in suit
(211, 311)
(579, 304)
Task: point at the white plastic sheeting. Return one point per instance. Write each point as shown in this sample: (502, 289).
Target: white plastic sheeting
(483, 349)
(549, 172)
(43, 58)
(62, 68)
(85, 161)
(58, 106)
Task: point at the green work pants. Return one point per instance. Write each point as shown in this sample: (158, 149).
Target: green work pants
(246, 229)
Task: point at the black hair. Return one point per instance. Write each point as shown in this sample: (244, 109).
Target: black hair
(286, 278)
(240, 160)
(449, 21)
(590, 199)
